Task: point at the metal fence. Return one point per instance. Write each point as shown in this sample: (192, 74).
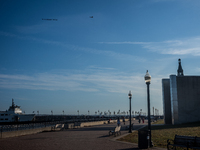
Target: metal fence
(16, 127)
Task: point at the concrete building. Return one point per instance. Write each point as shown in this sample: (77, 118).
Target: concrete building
(166, 101)
(181, 98)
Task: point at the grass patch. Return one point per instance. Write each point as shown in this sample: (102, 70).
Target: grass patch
(132, 138)
(160, 134)
(160, 121)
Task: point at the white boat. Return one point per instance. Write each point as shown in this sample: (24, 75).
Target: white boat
(14, 114)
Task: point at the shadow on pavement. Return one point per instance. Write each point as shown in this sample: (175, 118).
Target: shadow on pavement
(93, 129)
(130, 149)
(104, 136)
(104, 128)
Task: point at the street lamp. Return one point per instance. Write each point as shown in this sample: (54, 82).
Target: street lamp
(130, 96)
(147, 79)
(78, 112)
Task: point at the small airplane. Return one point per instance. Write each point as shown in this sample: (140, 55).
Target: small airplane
(91, 16)
(50, 19)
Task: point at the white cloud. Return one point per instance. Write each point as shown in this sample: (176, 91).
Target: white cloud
(186, 46)
(97, 81)
(43, 81)
(176, 47)
(77, 48)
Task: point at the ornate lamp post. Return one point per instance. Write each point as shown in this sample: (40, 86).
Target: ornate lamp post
(147, 79)
(130, 96)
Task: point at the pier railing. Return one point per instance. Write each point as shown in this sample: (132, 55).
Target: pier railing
(16, 127)
(25, 126)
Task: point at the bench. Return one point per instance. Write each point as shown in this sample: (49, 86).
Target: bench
(184, 141)
(115, 131)
(58, 127)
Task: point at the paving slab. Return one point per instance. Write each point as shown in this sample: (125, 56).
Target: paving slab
(87, 138)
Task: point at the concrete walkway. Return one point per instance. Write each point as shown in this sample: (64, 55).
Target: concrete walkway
(88, 138)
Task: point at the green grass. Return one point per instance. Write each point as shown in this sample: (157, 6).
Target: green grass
(161, 133)
(160, 121)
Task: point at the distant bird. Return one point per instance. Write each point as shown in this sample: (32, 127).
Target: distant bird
(50, 19)
(91, 16)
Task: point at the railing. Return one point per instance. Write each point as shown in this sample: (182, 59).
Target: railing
(16, 127)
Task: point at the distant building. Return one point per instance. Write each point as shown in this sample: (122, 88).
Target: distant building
(181, 98)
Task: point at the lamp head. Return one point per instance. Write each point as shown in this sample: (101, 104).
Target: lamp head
(147, 77)
(129, 94)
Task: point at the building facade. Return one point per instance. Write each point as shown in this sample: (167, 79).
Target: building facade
(181, 98)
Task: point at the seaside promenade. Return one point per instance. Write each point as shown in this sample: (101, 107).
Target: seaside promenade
(87, 138)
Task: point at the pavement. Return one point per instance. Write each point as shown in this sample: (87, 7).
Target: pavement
(87, 138)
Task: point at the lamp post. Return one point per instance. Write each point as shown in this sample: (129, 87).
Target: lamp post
(147, 79)
(78, 112)
(130, 96)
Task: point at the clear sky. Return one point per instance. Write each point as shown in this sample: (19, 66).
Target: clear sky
(82, 63)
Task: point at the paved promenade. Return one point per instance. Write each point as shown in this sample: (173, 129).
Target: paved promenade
(87, 138)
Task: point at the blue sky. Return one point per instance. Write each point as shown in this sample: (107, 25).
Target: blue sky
(82, 63)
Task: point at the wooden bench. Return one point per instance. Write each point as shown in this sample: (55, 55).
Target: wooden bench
(184, 141)
(115, 131)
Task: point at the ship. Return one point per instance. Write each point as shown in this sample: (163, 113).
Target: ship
(14, 114)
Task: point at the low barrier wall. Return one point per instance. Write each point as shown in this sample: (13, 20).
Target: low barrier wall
(69, 126)
(66, 126)
(87, 124)
(23, 132)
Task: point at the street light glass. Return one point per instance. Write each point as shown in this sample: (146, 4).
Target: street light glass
(147, 77)
(129, 94)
